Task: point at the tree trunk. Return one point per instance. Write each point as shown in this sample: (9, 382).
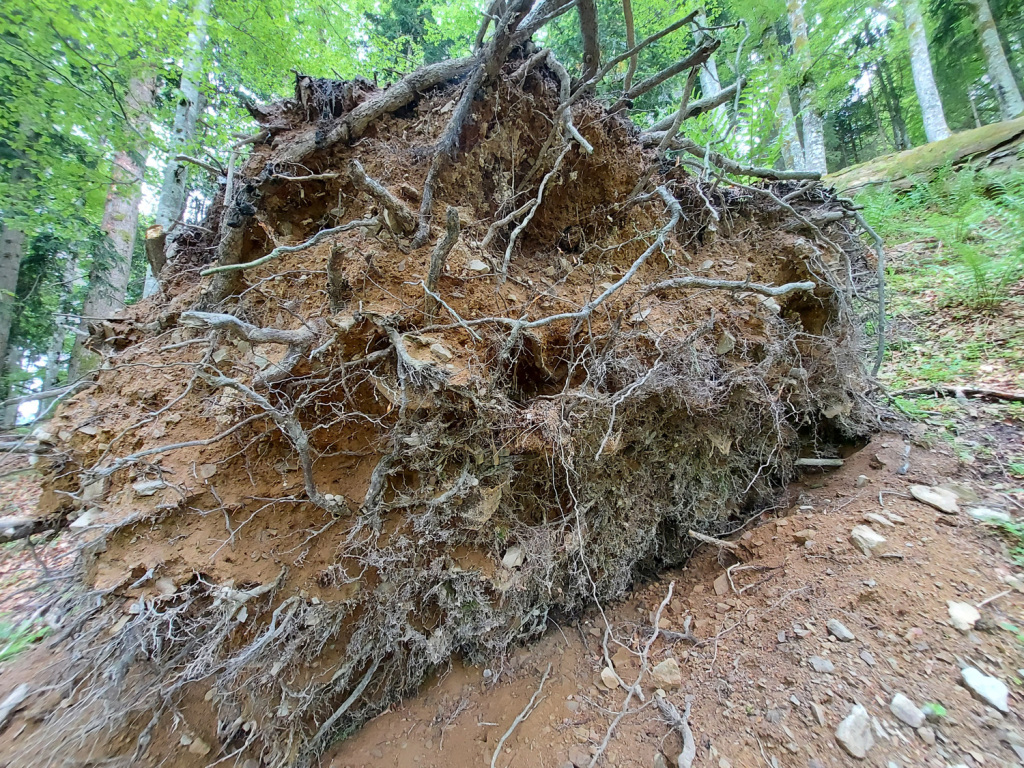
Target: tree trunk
(108, 277)
(935, 128)
(55, 351)
(710, 85)
(814, 129)
(174, 190)
(792, 151)
(9, 417)
(1010, 102)
(900, 135)
(12, 249)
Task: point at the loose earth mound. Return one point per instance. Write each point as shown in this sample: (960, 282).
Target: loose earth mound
(344, 446)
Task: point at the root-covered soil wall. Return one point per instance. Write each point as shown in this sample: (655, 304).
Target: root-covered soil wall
(327, 458)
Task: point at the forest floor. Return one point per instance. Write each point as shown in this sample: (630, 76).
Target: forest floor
(769, 683)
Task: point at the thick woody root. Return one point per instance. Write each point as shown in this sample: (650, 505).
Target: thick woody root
(303, 496)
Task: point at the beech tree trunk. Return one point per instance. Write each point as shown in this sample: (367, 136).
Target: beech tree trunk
(12, 249)
(108, 277)
(710, 85)
(813, 125)
(1010, 102)
(12, 365)
(174, 190)
(792, 150)
(55, 351)
(935, 128)
(11, 252)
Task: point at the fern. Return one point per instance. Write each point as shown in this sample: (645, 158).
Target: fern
(977, 216)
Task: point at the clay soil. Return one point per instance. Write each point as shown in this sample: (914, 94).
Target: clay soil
(756, 700)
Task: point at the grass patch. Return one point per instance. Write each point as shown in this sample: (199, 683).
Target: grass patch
(16, 637)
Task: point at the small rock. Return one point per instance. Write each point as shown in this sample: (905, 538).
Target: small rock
(14, 701)
(148, 487)
(882, 520)
(867, 539)
(441, 352)
(862, 480)
(722, 585)
(660, 761)
(513, 558)
(579, 756)
(927, 735)
(165, 586)
(819, 713)
(802, 537)
(989, 515)
(960, 491)
(94, 490)
(963, 616)
(820, 665)
(771, 305)
(85, 519)
(667, 674)
(839, 631)
(640, 316)
(986, 688)
(854, 733)
(941, 499)
(609, 678)
(478, 266)
(907, 711)
(198, 747)
(867, 658)
(726, 344)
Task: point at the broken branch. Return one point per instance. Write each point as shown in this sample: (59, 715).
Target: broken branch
(398, 218)
(730, 285)
(527, 711)
(299, 337)
(283, 249)
(439, 256)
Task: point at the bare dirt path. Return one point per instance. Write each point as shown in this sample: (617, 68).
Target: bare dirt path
(769, 683)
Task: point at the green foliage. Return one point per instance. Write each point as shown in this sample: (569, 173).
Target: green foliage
(1014, 532)
(17, 637)
(976, 217)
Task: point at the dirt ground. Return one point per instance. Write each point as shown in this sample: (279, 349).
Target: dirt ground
(756, 700)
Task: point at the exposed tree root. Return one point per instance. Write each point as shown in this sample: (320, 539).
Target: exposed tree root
(351, 458)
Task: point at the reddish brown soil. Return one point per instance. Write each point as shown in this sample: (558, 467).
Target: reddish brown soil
(753, 693)
(279, 537)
